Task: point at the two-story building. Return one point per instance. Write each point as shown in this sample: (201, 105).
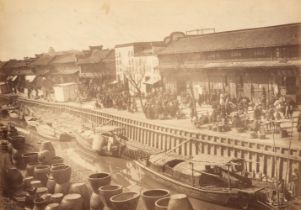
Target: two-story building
(138, 62)
(248, 62)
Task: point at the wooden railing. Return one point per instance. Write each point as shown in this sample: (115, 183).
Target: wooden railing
(263, 158)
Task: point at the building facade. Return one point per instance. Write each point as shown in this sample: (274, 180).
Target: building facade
(138, 62)
(252, 62)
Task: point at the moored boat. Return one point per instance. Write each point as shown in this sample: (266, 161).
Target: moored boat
(201, 179)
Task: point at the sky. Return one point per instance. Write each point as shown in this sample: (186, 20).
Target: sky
(28, 27)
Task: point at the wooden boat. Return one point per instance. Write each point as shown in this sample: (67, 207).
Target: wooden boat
(109, 140)
(217, 183)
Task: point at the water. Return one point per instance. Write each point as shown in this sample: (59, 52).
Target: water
(124, 172)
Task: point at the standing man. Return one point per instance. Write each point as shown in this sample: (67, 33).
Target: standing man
(299, 127)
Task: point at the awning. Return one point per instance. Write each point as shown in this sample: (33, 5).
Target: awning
(30, 78)
(230, 64)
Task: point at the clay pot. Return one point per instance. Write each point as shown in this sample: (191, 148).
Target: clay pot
(18, 159)
(162, 203)
(53, 206)
(36, 183)
(27, 181)
(61, 174)
(62, 188)
(95, 202)
(179, 201)
(4, 146)
(149, 197)
(106, 192)
(72, 202)
(47, 145)
(44, 157)
(125, 201)
(18, 142)
(41, 173)
(30, 169)
(56, 197)
(40, 204)
(50, 184)
(98, 180)
(41, 191)
(13, 181)
(56, 160)
(82, 189)
(30, 158)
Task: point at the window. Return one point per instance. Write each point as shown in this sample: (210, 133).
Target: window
(235, 54)
(259, 52)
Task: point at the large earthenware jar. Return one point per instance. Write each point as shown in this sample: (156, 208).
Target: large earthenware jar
(41, 173)
(40, 204)
(56, 197)
(30, 169)
(179, 201)
(149, 197)
(62, 188)
(98, 180)
(82, 189)
(125, 201)
(44, 157)
(18, 142)
(13, 181)
(61, 174)
(95, 202)
(27, 181)
(41, 191)
(47, 145)
(30, 158)
(35, 183)
(50, 184)
(53, 206)
(72, 202)
(56, 160)
(162, 203)
(18, 159)
(106, 192)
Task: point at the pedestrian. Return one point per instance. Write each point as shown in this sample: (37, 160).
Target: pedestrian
(294, 183)
(299, 127)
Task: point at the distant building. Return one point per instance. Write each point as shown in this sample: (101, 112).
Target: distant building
(97, 63)
(248, 62)
(138, 62)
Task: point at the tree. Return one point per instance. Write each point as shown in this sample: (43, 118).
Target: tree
(135, 80)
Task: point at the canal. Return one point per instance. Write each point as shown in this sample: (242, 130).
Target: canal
(123, 171)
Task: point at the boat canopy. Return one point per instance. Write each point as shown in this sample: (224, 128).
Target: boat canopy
(163, 159)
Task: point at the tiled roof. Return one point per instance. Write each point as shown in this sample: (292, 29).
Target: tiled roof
(289, 34)
(42, 60)
(95, 57)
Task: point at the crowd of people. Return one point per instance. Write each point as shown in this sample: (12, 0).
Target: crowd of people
(161, 104)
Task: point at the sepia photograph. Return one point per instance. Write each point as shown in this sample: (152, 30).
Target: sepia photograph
(150, 105)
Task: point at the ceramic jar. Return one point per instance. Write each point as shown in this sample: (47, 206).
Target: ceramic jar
(47, 145)
(36, 183)
(44, 157)
(62, 188)
(13, 181)
(82, 189)
(98, 180)
(61, 174)
(30, 169)
(30, 158)
(56, 197)
(72, 202)
(149, 197)
(41, 191)
(106, 192)
(41, 173)
(95, 202)
(125, 201)
(56, 160)
(50, 184)
(53, 206)
(27, 181)
(162, 203)
(39, 204)
(18, 142)
(179, 201)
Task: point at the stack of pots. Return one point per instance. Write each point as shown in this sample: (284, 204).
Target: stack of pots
(149, 197)
(96, 181)
(82, 189)
(61, 174)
